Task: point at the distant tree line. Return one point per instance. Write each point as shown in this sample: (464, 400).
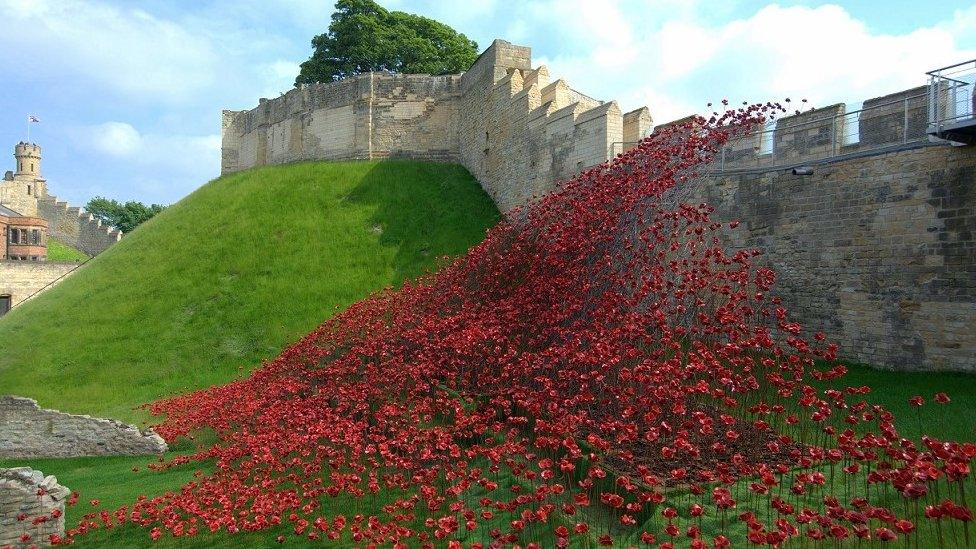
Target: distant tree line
(124, 217)
(365, 37)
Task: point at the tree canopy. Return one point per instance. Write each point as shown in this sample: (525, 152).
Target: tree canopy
(365, 37)
(123, 217)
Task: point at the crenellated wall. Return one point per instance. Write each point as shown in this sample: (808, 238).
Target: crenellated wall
(75, 227)
(514, 129)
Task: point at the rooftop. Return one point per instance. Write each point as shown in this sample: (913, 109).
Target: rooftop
(8, 212)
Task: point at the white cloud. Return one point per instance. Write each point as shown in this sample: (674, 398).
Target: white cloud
(279, 76)
(121, 139)
(677, 63)
(126, 51)
(114, 139)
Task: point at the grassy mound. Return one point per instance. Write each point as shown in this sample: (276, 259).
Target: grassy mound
(225, 278)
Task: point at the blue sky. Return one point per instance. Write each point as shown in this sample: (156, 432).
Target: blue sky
(129, 93)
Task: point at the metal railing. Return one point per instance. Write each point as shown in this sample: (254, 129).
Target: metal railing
(831, 132)
(952, 94)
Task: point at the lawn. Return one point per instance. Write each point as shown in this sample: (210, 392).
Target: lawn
(224, 279)
(112, 480)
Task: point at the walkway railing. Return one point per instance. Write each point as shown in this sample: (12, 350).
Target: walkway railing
(952, 94)
(889, 123)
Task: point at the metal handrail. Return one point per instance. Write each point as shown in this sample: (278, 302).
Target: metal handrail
(948, 113)
(931, 73)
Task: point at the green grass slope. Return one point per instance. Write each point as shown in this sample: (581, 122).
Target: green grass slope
(225, 278)
(57, 251)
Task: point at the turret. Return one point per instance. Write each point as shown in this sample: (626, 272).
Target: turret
(28, 157)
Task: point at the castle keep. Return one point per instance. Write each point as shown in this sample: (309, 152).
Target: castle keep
(876, 245)
(516, 130)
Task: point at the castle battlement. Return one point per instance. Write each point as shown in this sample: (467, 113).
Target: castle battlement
(513, 128)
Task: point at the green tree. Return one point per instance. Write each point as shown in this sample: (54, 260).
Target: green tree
(364, 37)
(123, 217)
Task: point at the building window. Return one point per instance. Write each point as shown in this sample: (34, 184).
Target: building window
(14, 236)
(28, 190)
(33, 258)
(36, 237)
(4, 304)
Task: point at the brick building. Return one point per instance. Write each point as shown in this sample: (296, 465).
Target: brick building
(24, 238)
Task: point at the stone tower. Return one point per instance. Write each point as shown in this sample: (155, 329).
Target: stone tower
(21, 189)
(28, 157)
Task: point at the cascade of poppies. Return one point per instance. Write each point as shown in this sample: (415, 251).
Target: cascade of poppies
(600, 370)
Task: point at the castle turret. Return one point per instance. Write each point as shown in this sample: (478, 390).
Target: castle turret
(21, 190)
(28, 157)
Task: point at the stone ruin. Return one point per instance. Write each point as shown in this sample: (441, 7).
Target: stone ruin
(29, 431)
(31, 508)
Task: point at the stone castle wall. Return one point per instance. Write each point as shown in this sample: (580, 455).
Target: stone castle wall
(75, 227)
(367, 116)
(23, 279)
(28, 431)
(515, 131)
(26, 497)
(879, 252)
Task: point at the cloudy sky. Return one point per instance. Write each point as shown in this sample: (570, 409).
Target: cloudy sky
(129, 93)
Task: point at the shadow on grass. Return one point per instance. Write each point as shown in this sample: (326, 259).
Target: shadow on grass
(418, 211)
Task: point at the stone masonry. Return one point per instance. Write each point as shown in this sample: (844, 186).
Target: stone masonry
(28, 431)
(515, 130)
(26, 497)
(23, 279)
(879, 252)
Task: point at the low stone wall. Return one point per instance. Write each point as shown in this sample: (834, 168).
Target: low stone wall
(31, 508)
(28, 431)
(22, 279)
